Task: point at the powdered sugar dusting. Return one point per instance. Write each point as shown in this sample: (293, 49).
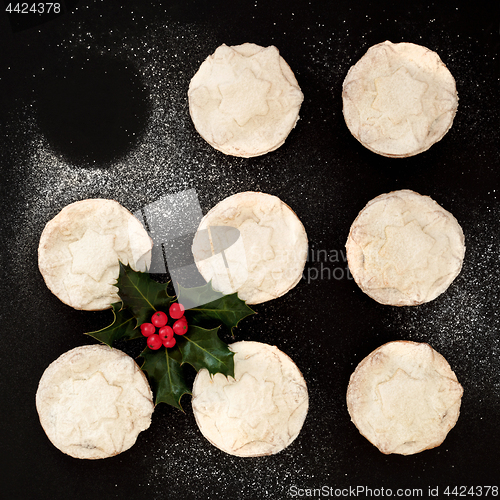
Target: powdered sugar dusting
(460, 324)
(326, 325)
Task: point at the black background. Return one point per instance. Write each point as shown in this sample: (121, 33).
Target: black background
(93, 103)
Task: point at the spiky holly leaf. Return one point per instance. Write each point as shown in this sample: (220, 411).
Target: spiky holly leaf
(122, 327)
(202, 348)
(214, 308)
(165, 374)
(143, 295)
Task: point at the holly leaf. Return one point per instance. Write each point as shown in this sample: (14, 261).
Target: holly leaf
(165, 374)
(202, 348)
(141, 293)
(122, 327)
(214, 308)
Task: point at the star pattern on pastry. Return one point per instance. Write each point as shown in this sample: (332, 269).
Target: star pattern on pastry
(93, 254)
(399, 95)
(245, 97)
(258, 248)
(86, 409)
(414, 402)
(93, 400)
(407, 246)
(250, 400)
(405, 399)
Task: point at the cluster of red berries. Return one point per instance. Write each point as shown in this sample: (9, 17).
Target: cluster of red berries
(165, 335)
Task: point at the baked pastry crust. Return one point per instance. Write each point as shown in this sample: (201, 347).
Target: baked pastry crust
(258, 412)
(80, 250)
(93, 402)
(268, 258)
(244, 100)
(404, 249)
(399, 99)
(404, 397)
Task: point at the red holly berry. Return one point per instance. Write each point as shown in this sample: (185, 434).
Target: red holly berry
(159, 319)
(176, 310)
(147, 329)
(180, 326)
(169, 342)
(165, 333)
(154, 342)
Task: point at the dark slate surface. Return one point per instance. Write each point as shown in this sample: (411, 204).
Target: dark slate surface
(93, 104)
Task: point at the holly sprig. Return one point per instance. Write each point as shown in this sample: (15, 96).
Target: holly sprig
(201, 347)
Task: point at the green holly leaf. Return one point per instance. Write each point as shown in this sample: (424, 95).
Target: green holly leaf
(122, 327)
(215, 307)
(202, 348)
(165, 374)
(143, 295)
